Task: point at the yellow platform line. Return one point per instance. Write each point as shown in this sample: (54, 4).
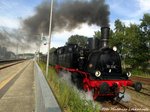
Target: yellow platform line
(4, 82)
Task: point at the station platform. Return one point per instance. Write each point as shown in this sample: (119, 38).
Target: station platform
(23, 88)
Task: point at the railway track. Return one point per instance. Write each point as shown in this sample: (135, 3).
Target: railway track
(141, 79)
(130, 106)
(118, 107)
(9, 61)
(140, 91)
(125, 107)
(145, 89)
(11, 64)
(122, 105)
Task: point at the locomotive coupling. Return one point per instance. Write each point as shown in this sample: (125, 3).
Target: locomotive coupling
(104, 88)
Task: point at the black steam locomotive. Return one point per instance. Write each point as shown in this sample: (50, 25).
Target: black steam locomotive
(95, 67)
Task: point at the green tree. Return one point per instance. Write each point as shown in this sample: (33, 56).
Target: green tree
(52, 49)
(131, 43)
(137, 48)
(97, 34)
(77, 39)
(119, 26)
(145, 24)
(145, 37)
(117, 38)
(145, 28)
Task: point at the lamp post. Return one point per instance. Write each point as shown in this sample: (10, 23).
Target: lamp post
(17, 51)
(49, 39)
(40, 47)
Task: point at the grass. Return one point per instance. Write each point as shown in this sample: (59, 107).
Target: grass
(140, 73)
(145, 73)
(67, 96)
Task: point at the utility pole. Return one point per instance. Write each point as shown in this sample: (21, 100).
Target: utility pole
(49, 39)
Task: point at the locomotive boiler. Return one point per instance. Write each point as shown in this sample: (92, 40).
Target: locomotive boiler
(95, 68)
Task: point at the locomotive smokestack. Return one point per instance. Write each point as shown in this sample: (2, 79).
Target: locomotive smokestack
(104, 36)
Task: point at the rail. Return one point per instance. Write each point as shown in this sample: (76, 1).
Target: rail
(10, 64)
(144, 93)
(10, 60)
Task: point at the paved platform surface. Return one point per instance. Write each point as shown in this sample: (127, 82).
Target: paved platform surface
(20, 97)
(12, 70)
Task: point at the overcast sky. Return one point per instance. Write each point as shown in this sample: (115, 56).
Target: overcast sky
(128, 11)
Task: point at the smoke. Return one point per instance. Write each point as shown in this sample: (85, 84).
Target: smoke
(86, 96)
(127, 97)
(66, 76)
(67, 16)
(5, 39)
(11, 38)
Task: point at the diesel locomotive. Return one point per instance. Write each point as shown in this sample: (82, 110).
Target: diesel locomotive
(95, 68)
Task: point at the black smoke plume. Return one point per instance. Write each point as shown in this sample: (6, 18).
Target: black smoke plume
(67, 16)
(10, 38)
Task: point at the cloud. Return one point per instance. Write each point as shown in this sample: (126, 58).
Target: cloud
(130, 21)
(9, 22)
(84, 30)
(128, 9)
(59, 39)
(12, 11)
(144, 5)
(121, 8)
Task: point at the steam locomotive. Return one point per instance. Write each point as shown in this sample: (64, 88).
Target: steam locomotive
(96, 68)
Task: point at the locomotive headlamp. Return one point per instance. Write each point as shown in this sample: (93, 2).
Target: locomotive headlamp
(97, 73)
(129, 74)
(115, 48)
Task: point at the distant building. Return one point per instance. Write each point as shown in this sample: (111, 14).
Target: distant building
(3, 51)
(26, 56)
(5, 55)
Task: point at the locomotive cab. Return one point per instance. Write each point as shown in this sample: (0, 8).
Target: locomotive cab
(105, 64)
